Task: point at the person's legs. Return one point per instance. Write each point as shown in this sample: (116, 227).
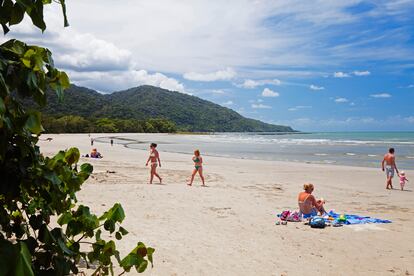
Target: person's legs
(319, 207)
(152, 174)
(390, 175)
(156, 174)
(192, 177)
(200, 172)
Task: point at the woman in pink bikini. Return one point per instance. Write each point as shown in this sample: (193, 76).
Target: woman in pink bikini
(308, 205)
(154, 157)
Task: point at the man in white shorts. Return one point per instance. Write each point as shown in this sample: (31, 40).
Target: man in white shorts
(389, 166)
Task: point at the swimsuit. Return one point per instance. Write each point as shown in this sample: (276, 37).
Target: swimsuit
(153, 163)
(313, 212)
(389, 171)
(197, 160)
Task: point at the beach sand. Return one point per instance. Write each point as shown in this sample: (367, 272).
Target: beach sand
(228, 228)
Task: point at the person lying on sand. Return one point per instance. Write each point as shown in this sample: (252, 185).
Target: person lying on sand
(198, 167)
(309, 206)
(154, 157)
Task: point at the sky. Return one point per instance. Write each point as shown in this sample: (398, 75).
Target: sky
(323, 65)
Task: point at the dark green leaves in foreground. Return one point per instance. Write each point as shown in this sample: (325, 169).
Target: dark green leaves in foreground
(35, 188)
(12, 13)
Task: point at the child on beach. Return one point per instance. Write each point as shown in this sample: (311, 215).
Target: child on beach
(403, 179)
(198, 167)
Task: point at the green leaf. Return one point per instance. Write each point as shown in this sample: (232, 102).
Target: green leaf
(33, 123)
(5, 28)
(65, 218)
(64, 80)
(86, 168)
(64, 248)
(65, 19)
(142, 266)
(150, 252)
(118, 236)
(116, 213)
(123, 231)
(17, 14)
(72, 156)
(129, 261)
(36, 14)
(24, 261)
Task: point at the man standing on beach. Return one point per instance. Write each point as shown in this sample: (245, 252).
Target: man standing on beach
(388, 165)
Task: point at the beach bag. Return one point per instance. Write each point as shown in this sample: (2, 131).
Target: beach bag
(284, 215)
(294, 216)
(317, 222)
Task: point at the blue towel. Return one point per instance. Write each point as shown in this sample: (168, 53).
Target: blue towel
(355, 219)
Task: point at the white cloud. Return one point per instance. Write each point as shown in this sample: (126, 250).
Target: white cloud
(298, 107)
(352, 104)
(111, 81)
(341, 75)
(361, 73)
(264, 39)
(261, 106)
(269, 93)
(381, 95)
(316, 88)
(221, 75)
(341, 100)
(410, 86)
(255, 83)
(228, 103)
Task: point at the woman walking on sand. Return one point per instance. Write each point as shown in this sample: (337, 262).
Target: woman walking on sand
(198, 167)
(154, 157)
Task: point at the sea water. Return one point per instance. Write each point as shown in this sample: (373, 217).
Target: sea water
(343, 148)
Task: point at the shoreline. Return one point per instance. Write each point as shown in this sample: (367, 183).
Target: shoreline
(334, 161)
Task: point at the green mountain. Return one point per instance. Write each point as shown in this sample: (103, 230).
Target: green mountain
(188, 112)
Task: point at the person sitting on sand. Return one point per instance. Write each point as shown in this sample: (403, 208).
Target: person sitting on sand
(198, 167)
(154, 157)
(309, 206)
(95, 154)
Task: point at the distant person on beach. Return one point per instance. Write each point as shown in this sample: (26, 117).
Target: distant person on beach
(198, 167)
(309, 206)
(91, 141)
(388, 165)
(112, 142)
(403, 179)
(154, 158)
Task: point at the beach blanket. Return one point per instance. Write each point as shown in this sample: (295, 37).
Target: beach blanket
(335, 218)
(354, 219)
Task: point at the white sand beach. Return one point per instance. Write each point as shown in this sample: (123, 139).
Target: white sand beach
(228, 228)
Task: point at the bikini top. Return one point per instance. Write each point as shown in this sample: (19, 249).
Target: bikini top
(196, 160)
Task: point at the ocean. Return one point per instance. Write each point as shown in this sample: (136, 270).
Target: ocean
(343, 148)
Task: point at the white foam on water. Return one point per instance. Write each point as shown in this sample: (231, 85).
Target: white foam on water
(350, 153)
(321, 154)
(410, 157)
(372, 155)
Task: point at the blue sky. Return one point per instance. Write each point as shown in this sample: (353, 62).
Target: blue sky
(314, 65)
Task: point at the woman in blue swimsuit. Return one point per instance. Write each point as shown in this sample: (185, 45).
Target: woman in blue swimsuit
(198, 167)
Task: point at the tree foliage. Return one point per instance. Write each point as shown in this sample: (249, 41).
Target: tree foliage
(33, 188)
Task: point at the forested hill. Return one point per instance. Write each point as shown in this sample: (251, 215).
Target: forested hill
(189, 113)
